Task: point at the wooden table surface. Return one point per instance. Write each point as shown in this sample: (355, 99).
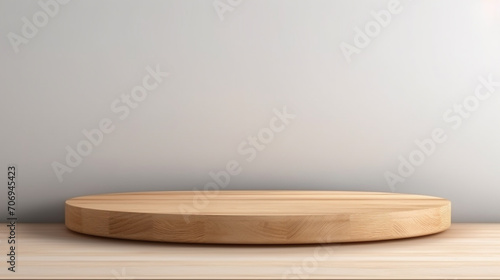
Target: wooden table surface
(50, 251)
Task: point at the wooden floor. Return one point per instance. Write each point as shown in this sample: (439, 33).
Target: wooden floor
(50, 251)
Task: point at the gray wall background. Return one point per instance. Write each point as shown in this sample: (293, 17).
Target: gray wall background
(353, 119)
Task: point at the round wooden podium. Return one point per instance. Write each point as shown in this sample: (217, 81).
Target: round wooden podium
(258, 217)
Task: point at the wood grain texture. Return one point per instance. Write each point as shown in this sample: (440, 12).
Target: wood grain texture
(50, 251)
(258, 217)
